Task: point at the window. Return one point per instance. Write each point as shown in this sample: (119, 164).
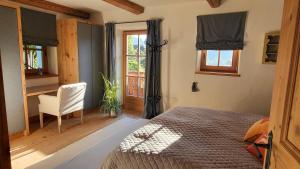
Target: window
(35, 59)
(219, 61)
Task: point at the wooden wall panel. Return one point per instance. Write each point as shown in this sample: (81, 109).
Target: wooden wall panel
(67, 51)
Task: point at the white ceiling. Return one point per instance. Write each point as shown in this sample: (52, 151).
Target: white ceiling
(99, 5)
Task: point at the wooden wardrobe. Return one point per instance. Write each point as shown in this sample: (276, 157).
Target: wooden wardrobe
(80, 57)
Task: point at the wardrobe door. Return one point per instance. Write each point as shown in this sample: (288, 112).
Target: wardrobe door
(10, 56)
(97, 56)
(85, 61)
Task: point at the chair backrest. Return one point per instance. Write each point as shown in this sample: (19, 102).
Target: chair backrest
(71, 97)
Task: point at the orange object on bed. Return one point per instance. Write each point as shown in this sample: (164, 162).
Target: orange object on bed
(257, 129)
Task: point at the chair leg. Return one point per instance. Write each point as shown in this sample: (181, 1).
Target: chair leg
(59, 124)
(41, 120)
(81, 116)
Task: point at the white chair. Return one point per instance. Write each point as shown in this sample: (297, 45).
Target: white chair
(70, 98)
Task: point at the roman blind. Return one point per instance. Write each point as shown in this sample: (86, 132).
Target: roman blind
(221, 31)
(38, 28)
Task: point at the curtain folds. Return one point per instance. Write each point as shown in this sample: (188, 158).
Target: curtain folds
(110, 51)
(152, 105)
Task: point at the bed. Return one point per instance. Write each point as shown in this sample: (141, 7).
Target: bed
(185, 138)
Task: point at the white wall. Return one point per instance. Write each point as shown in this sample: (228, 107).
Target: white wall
(52, 60)
(250, 93)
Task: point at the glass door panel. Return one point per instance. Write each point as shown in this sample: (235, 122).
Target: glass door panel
(135, 68)
(135, 64)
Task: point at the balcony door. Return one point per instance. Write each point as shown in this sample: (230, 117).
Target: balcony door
(134, 53)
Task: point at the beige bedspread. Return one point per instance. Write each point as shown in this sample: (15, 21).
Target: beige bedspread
(187, 138)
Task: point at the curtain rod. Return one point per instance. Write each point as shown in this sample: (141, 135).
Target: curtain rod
(129, 22)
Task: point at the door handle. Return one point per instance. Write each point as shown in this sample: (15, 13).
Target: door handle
(269, 149)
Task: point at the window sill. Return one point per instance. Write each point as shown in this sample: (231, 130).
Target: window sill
(36, 76)
(218, 73)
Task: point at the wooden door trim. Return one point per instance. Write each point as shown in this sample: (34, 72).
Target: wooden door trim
(23, 78)
(124, 47)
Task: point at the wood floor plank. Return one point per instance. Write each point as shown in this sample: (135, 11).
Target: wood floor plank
(28, 150)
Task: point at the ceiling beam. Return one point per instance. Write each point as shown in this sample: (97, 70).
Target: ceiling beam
(127, 5)
(43, 4)
(214, 3)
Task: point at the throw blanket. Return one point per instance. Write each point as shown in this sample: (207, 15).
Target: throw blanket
(186, 138)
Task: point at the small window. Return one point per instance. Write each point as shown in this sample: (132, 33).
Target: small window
(35, 59)
(219, 61)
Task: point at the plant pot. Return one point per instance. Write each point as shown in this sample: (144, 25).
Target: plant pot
(113, 113)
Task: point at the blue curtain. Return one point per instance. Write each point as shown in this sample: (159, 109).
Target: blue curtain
(152, 105)
(110, 50)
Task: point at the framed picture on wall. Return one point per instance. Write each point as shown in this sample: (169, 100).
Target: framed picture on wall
(271, 44)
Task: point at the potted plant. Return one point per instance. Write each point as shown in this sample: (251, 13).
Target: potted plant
(111, 103)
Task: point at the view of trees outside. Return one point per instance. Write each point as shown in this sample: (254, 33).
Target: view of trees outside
(136, 64)
(135, 42)
(225, 57)
(33, 56)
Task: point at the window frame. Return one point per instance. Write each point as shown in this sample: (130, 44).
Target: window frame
(44, 57)
(203, 67)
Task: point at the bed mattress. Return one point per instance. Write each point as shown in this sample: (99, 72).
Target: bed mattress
(186, 138)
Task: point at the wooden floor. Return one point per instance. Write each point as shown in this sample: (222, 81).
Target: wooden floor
(28, 150)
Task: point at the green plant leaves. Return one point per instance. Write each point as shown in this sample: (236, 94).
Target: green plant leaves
(110, 98)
